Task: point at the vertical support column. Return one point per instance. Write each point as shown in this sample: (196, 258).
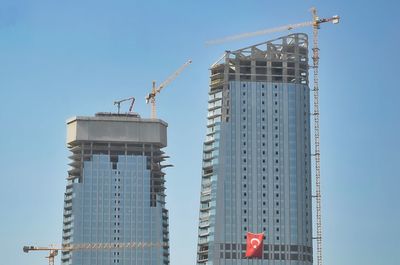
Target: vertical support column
(316, 138)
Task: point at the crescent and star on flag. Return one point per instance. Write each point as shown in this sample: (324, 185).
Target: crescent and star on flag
(254, 248)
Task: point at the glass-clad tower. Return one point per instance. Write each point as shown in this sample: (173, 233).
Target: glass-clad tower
(256, 173)
(114, 204)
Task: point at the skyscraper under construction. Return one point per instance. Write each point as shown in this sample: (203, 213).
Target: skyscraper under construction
(256, 173)
(114, 201)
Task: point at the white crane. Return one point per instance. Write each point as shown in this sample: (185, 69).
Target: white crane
(151, 97)
(315, 23)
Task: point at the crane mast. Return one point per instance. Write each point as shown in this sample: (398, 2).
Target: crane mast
(151, 97)
(315, 23)
(316, 136)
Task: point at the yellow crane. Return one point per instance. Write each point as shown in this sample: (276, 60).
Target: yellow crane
(151, 97)
(53, 250)
(315, 23)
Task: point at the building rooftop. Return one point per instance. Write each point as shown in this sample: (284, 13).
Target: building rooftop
(113, 127)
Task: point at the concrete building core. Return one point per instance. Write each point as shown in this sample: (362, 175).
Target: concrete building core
(115, 190)
(256, 173)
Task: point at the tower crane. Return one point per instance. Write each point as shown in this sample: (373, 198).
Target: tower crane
(151, 97)
(118, 103)
(53, 250)
(315, 23)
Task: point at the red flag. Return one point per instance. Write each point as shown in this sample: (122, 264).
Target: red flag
(255, 245)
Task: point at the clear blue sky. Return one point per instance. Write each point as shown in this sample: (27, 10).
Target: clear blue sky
(64, 58)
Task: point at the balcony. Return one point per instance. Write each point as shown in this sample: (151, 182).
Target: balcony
(204, 215)
(205, 198)
(204, 224)
(204, 232)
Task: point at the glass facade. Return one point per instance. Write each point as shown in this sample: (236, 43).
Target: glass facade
(256, 165)
(114, 203)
